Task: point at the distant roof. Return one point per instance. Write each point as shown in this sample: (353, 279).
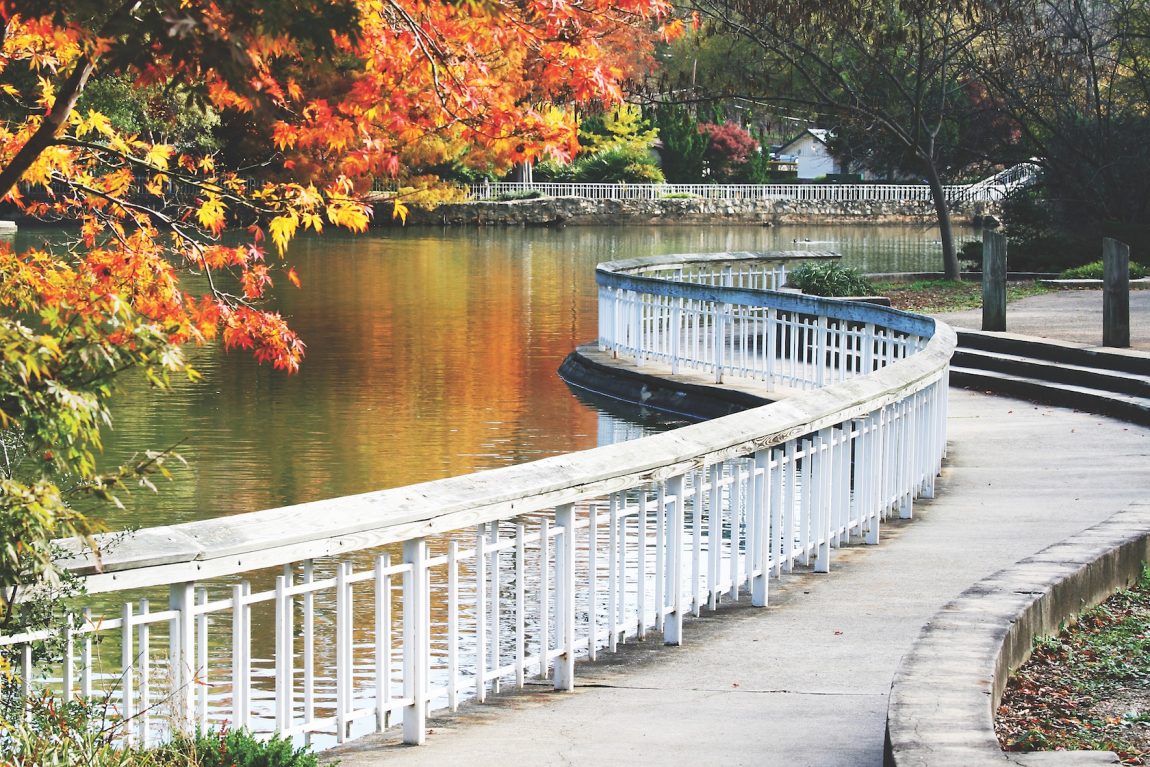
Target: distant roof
(820, 135)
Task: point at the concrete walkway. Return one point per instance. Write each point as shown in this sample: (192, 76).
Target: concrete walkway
(1064, 315)
(805, 681)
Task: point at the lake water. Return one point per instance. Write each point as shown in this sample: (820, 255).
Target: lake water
(431, 353)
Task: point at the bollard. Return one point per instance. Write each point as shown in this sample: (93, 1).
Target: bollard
(1115, 293)
(993, 281)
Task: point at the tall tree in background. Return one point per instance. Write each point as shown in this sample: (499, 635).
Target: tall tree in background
(891, 69)
(347, 90)
(683, 144)
(1075, 76)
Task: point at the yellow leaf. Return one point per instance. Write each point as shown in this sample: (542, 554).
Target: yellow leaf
(155, 185)
(350, 215)
(97, 122)
(313, 221)
(399, 211)
(159, 156)
(283, 228)
(212, 214)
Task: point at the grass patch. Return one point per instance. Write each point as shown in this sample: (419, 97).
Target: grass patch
(938, 296)
(1087, 688)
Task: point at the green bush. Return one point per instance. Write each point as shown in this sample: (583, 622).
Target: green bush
(526, 194)
(1093, 271)
(829, 279)
(235, 748)
(550, 170)
(617, 164)
(52, 733)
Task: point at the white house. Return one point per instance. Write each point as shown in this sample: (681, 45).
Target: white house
(810, 152)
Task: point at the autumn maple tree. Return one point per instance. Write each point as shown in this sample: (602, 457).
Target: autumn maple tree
(350, 94)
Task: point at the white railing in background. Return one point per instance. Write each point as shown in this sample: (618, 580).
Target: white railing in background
(817, 192)
(1005, 182)
(329, 620)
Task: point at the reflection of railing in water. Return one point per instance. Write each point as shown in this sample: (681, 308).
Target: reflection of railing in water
(385, 605)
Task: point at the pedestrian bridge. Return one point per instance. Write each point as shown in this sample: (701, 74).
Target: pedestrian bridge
(330, 620)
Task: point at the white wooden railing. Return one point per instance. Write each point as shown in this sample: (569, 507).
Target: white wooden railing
(329, 620)
(1002, 184)
(816, 192)
(660, 310)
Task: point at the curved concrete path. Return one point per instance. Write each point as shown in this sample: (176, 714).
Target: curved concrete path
(1065, 315)
(806, 681)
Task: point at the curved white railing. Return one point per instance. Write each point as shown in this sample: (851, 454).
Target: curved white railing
(814, 192)
(1002, 184)
(332, 619)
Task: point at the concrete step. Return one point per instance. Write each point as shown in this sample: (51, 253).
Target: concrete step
(1025, 366)
(1126, 407)
(1113, 360)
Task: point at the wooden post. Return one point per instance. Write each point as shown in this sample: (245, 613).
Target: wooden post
(1115, 293)
(993, 281)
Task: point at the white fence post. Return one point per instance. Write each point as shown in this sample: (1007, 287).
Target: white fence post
(416, 620)
(673, 623)
(565, 597)
(637, 326)
(719, 313)
(284, 654)
(344, 646)
(241, 655)
(181, 598)
(758, 504)
(382, 645)
(127, 673)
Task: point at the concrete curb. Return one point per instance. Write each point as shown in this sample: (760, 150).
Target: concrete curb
(656, 392)
(1142, 283)
(943, 698)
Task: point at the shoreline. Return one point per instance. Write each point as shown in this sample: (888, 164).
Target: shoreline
(578, 211)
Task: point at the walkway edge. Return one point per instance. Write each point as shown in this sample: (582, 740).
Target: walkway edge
(593, 371)
(943, 698)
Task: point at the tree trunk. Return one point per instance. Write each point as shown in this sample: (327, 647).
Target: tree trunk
(949, 254)
(45, 134)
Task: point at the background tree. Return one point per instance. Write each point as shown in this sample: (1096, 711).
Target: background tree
(891, 69)
(616, 145)
(1075, 78)
(729, 147)
(336, 92)
(683, 145)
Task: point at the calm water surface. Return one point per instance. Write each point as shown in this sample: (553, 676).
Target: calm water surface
(431, 353)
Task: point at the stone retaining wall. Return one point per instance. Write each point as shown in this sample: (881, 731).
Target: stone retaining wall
(560, 211)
